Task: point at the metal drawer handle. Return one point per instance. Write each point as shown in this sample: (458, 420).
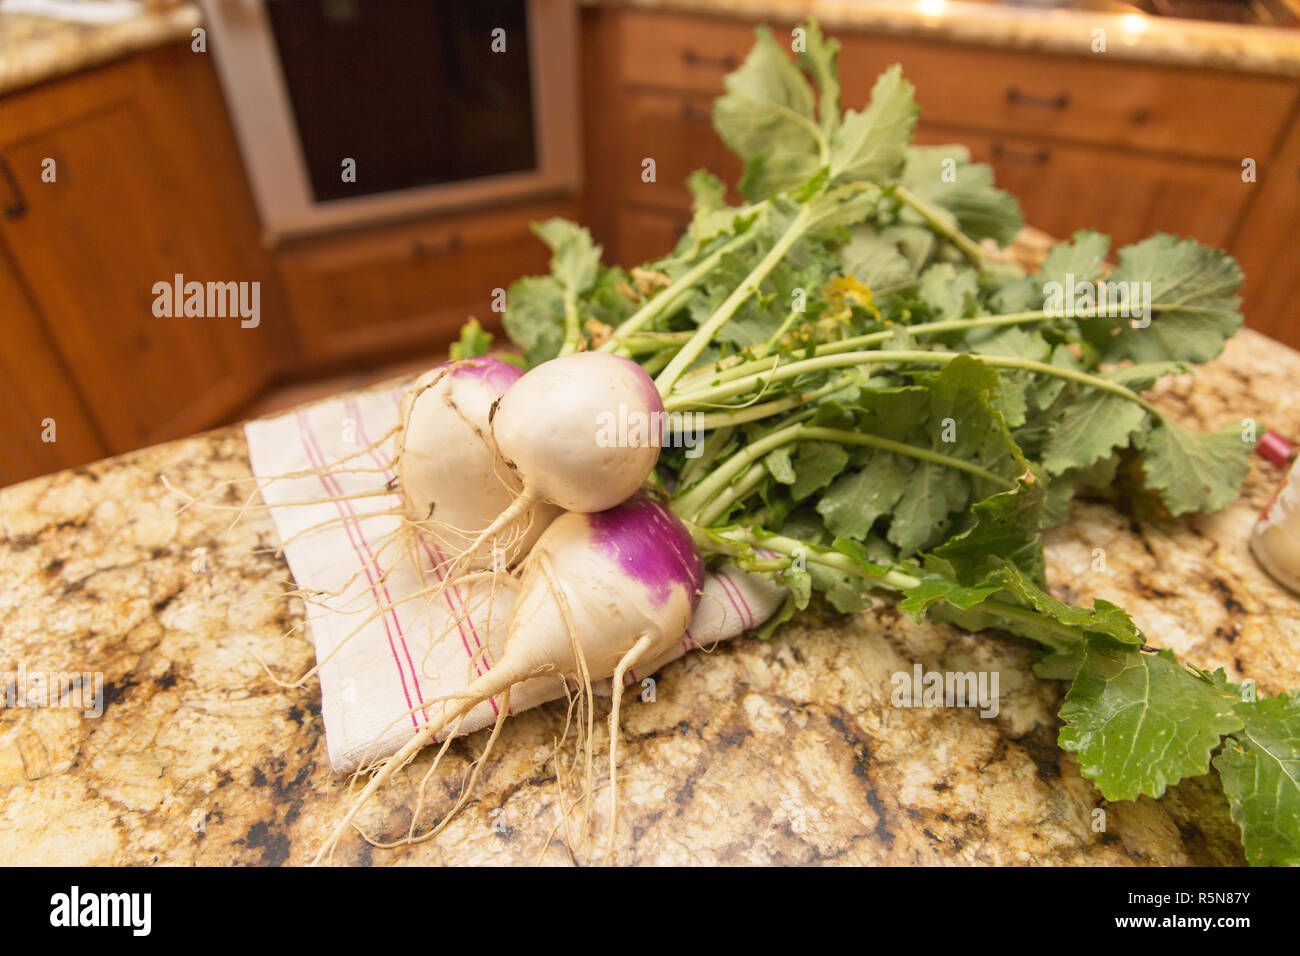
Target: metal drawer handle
(421, 249)
(726, 62)
(694, 114)
(1037, 158)
(1018, 98)
(17, 204)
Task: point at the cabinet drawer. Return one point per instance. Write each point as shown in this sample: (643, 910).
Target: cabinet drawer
(1090, 99)
(681, 52)
(1095, 100)
(676, 131)
(1128, 196)
(369, 293)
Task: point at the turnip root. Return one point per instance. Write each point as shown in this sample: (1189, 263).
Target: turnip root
(599, 593)
(449, 478)
(581, 431)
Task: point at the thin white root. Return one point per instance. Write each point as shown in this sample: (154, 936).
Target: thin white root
(390, 767)
(629, 659)
(526, 501)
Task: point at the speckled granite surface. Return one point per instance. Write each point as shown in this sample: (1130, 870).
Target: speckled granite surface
(1016, 26)
(35, 48)
(787, 751)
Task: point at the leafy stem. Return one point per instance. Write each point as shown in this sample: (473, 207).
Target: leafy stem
(698, 342)
(672, 296)
(768, 376)
(941, 222)
(695, 502)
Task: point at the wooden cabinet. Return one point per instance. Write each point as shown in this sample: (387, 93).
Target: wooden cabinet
(644, 233)
(368, 293)
(1064, 187)
(1126, 148)
(120, 179)
(1267, 245)
(41, 402)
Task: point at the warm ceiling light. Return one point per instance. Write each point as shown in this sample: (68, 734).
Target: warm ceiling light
(1133, 23)
(931, 8)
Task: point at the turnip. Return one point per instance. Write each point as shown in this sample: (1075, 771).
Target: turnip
(581, 431)
(599, 593)
(448, 476)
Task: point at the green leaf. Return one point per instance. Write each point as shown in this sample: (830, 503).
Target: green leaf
(767, 117)
(473, 341)
(1260, 770)
(875, 260)
(575, 259)
(946, 176)
(951, 291)
(1194, 471)
(818, 61)
(872, 145)
(534, 317)
(780, 466)
(1077, 260)
(1193, 299)
(1140, 722)
(951, 413)
(1089, 428)
(853, 503)
(1006, 530)
(816, 465)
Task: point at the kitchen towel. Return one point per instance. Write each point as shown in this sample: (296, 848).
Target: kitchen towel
(383, 644)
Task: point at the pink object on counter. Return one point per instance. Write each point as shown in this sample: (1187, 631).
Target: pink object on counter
(1274, 448)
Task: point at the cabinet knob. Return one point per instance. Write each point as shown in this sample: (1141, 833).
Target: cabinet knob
(421, 249)
(1023, 156)
(17, 205)
(693, 58)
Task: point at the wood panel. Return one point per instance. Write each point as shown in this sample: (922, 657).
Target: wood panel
(1267, 246)
(137, 200)
(1089, 99)
(37, 387)
(411, 285)
(1127, 195)
(645, 234)
(676, 131)
(680, 52)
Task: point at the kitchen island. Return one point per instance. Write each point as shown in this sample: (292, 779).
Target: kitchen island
(786, 751)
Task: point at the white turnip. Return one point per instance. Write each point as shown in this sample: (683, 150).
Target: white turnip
(599, 593)
(451, 483)
(581, 431)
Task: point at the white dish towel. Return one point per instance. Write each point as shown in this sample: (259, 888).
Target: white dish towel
(383, 647)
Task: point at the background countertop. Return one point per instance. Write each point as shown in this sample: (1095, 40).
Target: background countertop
(34, 48)
(787, 751)
(1171, 40)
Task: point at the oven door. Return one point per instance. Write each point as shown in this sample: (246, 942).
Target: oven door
(354, 111)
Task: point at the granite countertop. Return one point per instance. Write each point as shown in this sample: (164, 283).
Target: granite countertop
(786, 751)
(34, 48)
(1180, 42)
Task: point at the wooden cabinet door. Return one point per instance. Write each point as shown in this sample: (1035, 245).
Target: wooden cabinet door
(676, 131)
(129, 206)
(645, 234)
(40, 400)
(1267, 246)
(1129, 196)
(410, 286)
